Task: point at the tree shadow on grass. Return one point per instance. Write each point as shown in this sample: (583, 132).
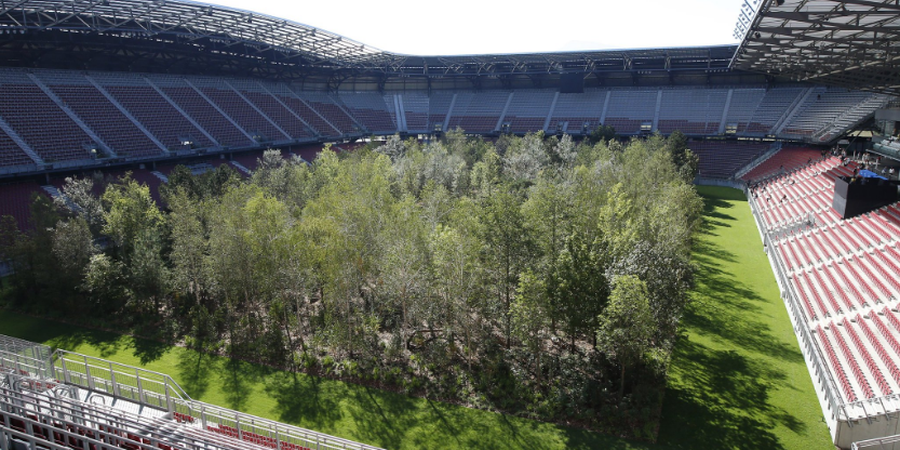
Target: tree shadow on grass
(237, 379)
(463, 428)
(195, 370)
(155, 340)
(716, 201)
(725, 308)
(721, 193)
(149, 350)
(580, 439)
(384, 417)
(106, 343)
(720, 399)
(713, 215)
(304, 400)
(711, 255)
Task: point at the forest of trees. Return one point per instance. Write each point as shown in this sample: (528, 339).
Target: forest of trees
(531, 275)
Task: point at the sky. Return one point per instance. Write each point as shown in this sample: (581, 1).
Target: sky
(466, 27)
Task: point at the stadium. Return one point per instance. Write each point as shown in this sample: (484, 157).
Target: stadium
(141, 85)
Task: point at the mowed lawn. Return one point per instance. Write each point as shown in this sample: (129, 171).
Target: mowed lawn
(737, 379)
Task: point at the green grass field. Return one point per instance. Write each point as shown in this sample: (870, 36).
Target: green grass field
(737, 378)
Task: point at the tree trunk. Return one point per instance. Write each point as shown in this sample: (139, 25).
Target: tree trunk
(622, 384)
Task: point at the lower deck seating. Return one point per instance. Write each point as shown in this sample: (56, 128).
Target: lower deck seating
(843, 273)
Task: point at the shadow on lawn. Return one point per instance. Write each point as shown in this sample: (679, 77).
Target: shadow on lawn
(154, 343)
(721, 400)
(713, 215)
(237, 379)
(195, 370)
(305, 400)
(725, 308)
(384, 417)
(70, 338)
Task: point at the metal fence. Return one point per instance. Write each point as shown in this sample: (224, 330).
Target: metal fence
(138, 385)
(24, 357)
(159, 391)
(879, 443)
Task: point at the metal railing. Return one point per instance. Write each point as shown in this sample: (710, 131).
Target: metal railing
(142, 386)
(773, 149)
(879, 443)
(247, 427)
(159, 391)
(24, 357)
(801, 328)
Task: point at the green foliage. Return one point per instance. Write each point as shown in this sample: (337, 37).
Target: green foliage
(130, 213)
(78, 196)
(603, 133)
(473, 271)
(626, 327)
(212, 183)
(686, 162)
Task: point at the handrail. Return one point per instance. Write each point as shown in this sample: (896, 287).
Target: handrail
(23, 357)
(160, 391)
(876, 442)
(143, 386)
(246, 426)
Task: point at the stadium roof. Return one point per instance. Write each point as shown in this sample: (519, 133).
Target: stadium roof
(185, 36)
(205, 27)
(851, 43)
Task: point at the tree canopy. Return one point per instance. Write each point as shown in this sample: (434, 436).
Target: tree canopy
(523, 275)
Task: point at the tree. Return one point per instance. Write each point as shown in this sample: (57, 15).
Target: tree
(403, 270)
(525, 158)
(393, 148)
(625, 329)
(530, 311)
(73, 247)
(131, 212)
(578, 287)
(564, 153)
(459, 278)
(136, 227)
(33, 265)
(507, 244)
(287, 180)
(188, 227)
(686, 162)
(248, 246)
(211, 183)
(486, 174)
(78, 196)
(106, 283)
(603, 133)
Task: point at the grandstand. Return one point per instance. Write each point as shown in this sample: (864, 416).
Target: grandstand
(210, 85)
(63, 400)
(103, 117)
(839, 280)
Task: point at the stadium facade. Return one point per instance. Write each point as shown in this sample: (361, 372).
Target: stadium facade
(138, 84)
